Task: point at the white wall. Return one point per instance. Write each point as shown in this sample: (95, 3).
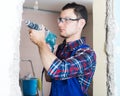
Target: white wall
(10, 23)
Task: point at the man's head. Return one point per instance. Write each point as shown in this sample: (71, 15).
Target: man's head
(72, 20)
(79, 10)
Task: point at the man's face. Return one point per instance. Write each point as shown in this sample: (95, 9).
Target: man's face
(68, 23)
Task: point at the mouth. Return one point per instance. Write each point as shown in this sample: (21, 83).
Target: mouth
(61, 30)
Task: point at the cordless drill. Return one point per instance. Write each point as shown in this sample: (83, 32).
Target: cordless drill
(50, 37)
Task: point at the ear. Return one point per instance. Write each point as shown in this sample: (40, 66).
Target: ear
(82, 23)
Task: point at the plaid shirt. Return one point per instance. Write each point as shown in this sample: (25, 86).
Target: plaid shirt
(74, 61)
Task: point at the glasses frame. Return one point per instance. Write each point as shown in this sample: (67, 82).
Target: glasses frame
(60, 19)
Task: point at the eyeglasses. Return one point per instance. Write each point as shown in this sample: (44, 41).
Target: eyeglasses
(66, 19)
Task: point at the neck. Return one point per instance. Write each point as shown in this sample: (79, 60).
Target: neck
(73, 38)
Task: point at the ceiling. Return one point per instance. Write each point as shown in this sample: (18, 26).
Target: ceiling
(55, 5)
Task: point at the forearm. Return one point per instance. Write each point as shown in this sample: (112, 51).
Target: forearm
(38, 37)
(83, 61)
(46, 55)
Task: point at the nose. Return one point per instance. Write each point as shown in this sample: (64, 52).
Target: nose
(60, 24)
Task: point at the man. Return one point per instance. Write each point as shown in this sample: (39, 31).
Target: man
(73, 66)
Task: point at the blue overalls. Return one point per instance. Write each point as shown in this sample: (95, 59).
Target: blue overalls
(68, 87)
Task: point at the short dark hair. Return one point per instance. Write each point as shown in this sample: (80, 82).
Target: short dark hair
(79, 10)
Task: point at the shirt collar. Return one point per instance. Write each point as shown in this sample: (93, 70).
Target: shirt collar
(73, 45)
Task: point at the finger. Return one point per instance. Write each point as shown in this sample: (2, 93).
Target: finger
(30, 31)
(30, 34)
(43, 27)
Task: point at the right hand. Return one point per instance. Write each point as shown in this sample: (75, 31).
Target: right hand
(36, 36)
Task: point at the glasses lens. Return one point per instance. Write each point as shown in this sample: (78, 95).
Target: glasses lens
(63, 20)
(67, 19)
(60, 20)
